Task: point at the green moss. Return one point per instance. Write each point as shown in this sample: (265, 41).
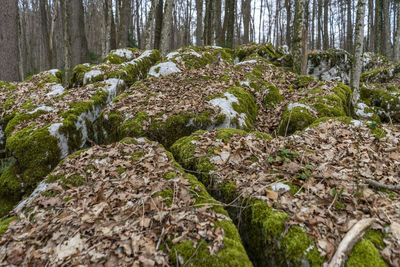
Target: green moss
(137, 155)
(7, 203)
(73, 180)
(50, 193)
(19, 119)
(273, 97)
(8, 104)
(296, 119)
(4, 223)
(121, 170)
(66, 199)
(167, 195)
(115, 59)
(262, 135)
(10, 185)
(78, 74)
(133, 127)
(246, 105)
(170, 175)
(376, 237)
(227, 133)
(303, 80)
(228, 190)
(365, 254)
(295, 245)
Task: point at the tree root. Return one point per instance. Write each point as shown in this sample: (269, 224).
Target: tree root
(349, 240)
(383, 186)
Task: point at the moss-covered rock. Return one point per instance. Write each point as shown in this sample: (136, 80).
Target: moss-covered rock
(119, 56)
(181, 200)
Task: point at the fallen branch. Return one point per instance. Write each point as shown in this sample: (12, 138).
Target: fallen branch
(349, 240)
(384, 186)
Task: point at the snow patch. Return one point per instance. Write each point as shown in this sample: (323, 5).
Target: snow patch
(123, 52)
(225, 104)
(246, 62)
(44, 108)
(62, 139)
(163, 69)
(294, 105)
(90, 75)
(57, 89)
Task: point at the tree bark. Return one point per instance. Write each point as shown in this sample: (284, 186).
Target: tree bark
(219, 34)
(349, 37)
(166, 28)
(378, 26)
(319, 41)
(199, 25)
(326, 34)
(288, 5)
(51, 35)
(397, 38)
(297, 35)
(45, 35)
(386, 28)
(229, 22)
(246, 11)
(9, 56)
(358, 50)
(159, 24)
(124, 23)
(208, 23)
(65, 9)
(150, 27)
(79, 46)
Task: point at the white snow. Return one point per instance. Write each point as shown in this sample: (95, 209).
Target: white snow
(163, 69)
(112, 87)
(247, 62)
(40, 188)
(280, 187)
(57, 89)
(45, 108)
(90, 75)
(54, 72)
(360, 111)
(123, 52)
(62, 139)
(294, 105)
(225, 104)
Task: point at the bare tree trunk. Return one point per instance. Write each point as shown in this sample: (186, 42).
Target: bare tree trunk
(150, 27)
(9, 56)
(349, 41)
(20, 49)
(397, 38)
(288, 5)
(386, 28)
(319, 40)
(219, 34)
(246, 11)
(166, 28)
(124, 23)
(229, 22)
(199, 25)
(326, 34)
(139, 37)
(208, 23)
(67, 42)
(304, 51)
(297, 35)
(358, 50)
(371, 26)
(79, 46)
(51, 35)
(378, 26)
(45, 34)
(159, 24)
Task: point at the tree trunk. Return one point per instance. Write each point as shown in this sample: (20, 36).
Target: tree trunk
(65, 9)
(229, 22)
(166, 28)
(9, 56)
(326, 34)
(288, 5)
(219, 35)
(349, 41)
(378, 26)
(386, 28)
(304, 51)
(150, 27)
(297, 35)
(199, 25)
(246, 11)
(79, 46)
(159, 24)
(397, 38)
(124, 23)
(139, 37)
(45, 34)
(208, 23)
(319, 41)
(358, 50)
(51, 35)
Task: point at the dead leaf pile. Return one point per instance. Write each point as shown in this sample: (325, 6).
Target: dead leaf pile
(122, 214)
(326, 168)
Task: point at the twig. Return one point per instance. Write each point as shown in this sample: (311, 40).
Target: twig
(349, 240)
(333, 201)
(384, 186)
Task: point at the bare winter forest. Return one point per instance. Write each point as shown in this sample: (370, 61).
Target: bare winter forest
(200, 133)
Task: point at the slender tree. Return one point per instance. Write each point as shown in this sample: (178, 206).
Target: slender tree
(76, 23)
(125, 14)
(45, 34)
(166, 28)
(199, 19)
(150, 26)
(65, 10)
(229, 22)
(397, 37)
(158, 24)
(208, 23)
(9, 40)
(358, 50)
(246, 11)
(297, 35)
